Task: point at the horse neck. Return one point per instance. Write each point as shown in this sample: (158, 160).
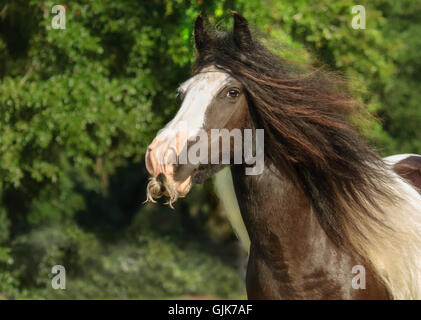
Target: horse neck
(290, 255)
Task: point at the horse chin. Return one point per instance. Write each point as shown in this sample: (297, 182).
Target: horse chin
(204, 172)
(162, 186)
(178, 185)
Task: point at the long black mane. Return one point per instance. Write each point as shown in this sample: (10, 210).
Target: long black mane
(306, 114)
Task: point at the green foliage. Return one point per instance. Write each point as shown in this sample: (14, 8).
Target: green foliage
(401, 102)
(151, 268)
(67, 246)
(8, 276)
(79, 106)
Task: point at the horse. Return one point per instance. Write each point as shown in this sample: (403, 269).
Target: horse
(327, 218)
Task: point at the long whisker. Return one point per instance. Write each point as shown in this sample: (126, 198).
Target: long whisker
(156, 188)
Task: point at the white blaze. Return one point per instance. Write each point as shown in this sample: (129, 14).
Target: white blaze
(199, 92)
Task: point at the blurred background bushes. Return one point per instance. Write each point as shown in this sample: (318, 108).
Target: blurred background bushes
(79, 106)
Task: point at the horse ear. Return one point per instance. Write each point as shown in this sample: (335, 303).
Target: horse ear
(201, 36)
(242, 34)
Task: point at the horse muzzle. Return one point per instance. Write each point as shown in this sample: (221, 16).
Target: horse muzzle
(161, 163)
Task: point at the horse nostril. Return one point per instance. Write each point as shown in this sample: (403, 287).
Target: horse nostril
(161, 178)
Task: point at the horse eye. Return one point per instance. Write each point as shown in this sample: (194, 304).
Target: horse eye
(233, 93)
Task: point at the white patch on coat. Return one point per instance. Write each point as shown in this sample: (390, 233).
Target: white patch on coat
(392, 160)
